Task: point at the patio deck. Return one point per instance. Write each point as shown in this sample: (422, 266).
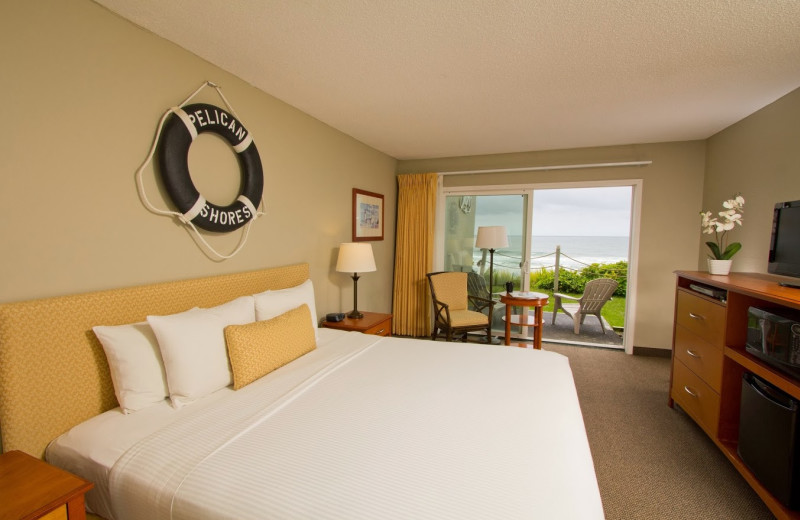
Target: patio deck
(562, 331)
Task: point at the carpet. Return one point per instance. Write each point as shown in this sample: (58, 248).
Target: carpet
(651, 461)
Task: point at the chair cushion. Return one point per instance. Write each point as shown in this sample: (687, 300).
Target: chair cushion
(466, 318)
(451, 288)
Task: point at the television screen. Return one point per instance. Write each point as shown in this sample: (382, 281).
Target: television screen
(784, 251)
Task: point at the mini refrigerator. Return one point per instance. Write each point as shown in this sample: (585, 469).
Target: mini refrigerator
(768, 438)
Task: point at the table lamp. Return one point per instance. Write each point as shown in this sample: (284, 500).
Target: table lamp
(355, 257)
(491, 238)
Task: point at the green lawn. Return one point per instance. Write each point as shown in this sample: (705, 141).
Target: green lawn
(613, 310)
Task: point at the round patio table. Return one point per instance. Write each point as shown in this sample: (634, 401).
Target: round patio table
(525, 300)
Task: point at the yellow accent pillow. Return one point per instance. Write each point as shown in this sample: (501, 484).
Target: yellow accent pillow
(258, 348)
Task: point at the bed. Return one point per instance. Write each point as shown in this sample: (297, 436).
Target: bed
(356, 427)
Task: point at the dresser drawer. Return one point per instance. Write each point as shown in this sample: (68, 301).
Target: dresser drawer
(383, 328)
(702, 317)
(696, 398)
(700, 356)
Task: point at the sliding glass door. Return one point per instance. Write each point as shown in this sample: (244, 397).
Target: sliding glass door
(560, 236)
(464, 215)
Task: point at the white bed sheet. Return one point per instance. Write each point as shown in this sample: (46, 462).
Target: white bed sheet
(362, 427)
(91, 448)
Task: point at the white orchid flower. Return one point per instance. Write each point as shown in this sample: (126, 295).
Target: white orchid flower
(719, 226)
(735, 203)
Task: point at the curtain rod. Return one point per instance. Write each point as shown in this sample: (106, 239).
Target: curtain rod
(546, 168)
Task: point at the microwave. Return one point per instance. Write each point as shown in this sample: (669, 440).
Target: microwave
(774, 337)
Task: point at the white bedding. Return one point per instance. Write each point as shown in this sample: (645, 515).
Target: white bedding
(363, 427)
(91, 448)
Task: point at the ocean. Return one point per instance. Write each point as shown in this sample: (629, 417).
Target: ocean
(576, 252)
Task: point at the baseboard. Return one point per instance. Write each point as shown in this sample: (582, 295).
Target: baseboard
(652, 352)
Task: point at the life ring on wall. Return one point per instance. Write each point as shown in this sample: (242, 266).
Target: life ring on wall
(181, 128)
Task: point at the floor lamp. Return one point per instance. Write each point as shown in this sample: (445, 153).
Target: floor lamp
(355, 257)
(491, 238)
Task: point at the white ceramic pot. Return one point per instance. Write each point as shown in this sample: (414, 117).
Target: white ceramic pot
(719, 266)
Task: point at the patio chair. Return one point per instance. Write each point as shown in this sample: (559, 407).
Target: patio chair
(477, 286)
(596, 293)
(451, 312)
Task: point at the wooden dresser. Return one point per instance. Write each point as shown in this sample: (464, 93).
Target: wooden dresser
(709, 357)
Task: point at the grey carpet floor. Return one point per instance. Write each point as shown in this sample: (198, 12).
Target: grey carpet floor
(652, 461)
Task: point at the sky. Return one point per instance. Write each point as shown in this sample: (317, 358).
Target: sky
(561, 212)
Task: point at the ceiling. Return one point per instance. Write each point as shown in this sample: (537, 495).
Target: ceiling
(442, 78)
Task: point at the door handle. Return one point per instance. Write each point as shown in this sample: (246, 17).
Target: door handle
(696, 316)
(689, 391)
(693, 353)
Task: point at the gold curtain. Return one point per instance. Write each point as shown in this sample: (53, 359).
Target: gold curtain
(416, 214)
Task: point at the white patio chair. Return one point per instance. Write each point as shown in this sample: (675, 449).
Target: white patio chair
(596, 293)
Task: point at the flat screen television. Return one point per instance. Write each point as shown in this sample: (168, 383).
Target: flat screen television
(784, 246)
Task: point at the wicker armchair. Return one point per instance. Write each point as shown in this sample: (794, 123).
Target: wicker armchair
(596, 293)
(451, 312)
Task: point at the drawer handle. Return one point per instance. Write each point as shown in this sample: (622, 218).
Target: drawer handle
(380, 331)
(689, 391)
(696, 316)
(693, 353)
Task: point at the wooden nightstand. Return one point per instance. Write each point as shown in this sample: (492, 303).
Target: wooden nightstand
(372, 323)
(33, 489)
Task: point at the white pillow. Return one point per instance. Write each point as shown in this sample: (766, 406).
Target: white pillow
(192, 345)
(135, 363)
(270, 304)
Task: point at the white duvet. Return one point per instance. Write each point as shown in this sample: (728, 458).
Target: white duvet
(369, 427)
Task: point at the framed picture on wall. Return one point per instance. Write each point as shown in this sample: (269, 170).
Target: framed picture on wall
(367, 215)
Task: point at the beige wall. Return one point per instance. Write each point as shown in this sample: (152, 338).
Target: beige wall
(672, 192)
(83, 91)
(758, 157)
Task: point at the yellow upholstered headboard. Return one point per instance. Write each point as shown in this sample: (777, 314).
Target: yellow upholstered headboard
(53, 371)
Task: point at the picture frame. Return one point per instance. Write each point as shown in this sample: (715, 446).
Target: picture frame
(367, 215)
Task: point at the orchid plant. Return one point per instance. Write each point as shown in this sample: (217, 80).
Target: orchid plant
(719, 227)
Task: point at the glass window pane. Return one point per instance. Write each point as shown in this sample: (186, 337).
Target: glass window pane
(464, 214)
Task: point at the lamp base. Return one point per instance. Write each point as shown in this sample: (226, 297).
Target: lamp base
(354, 314)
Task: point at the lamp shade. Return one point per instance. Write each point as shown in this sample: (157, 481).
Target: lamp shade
(491, 237)
(355, 257)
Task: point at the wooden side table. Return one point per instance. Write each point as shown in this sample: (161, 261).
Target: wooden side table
(372, 323)
(525, 300)
(33, 489)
